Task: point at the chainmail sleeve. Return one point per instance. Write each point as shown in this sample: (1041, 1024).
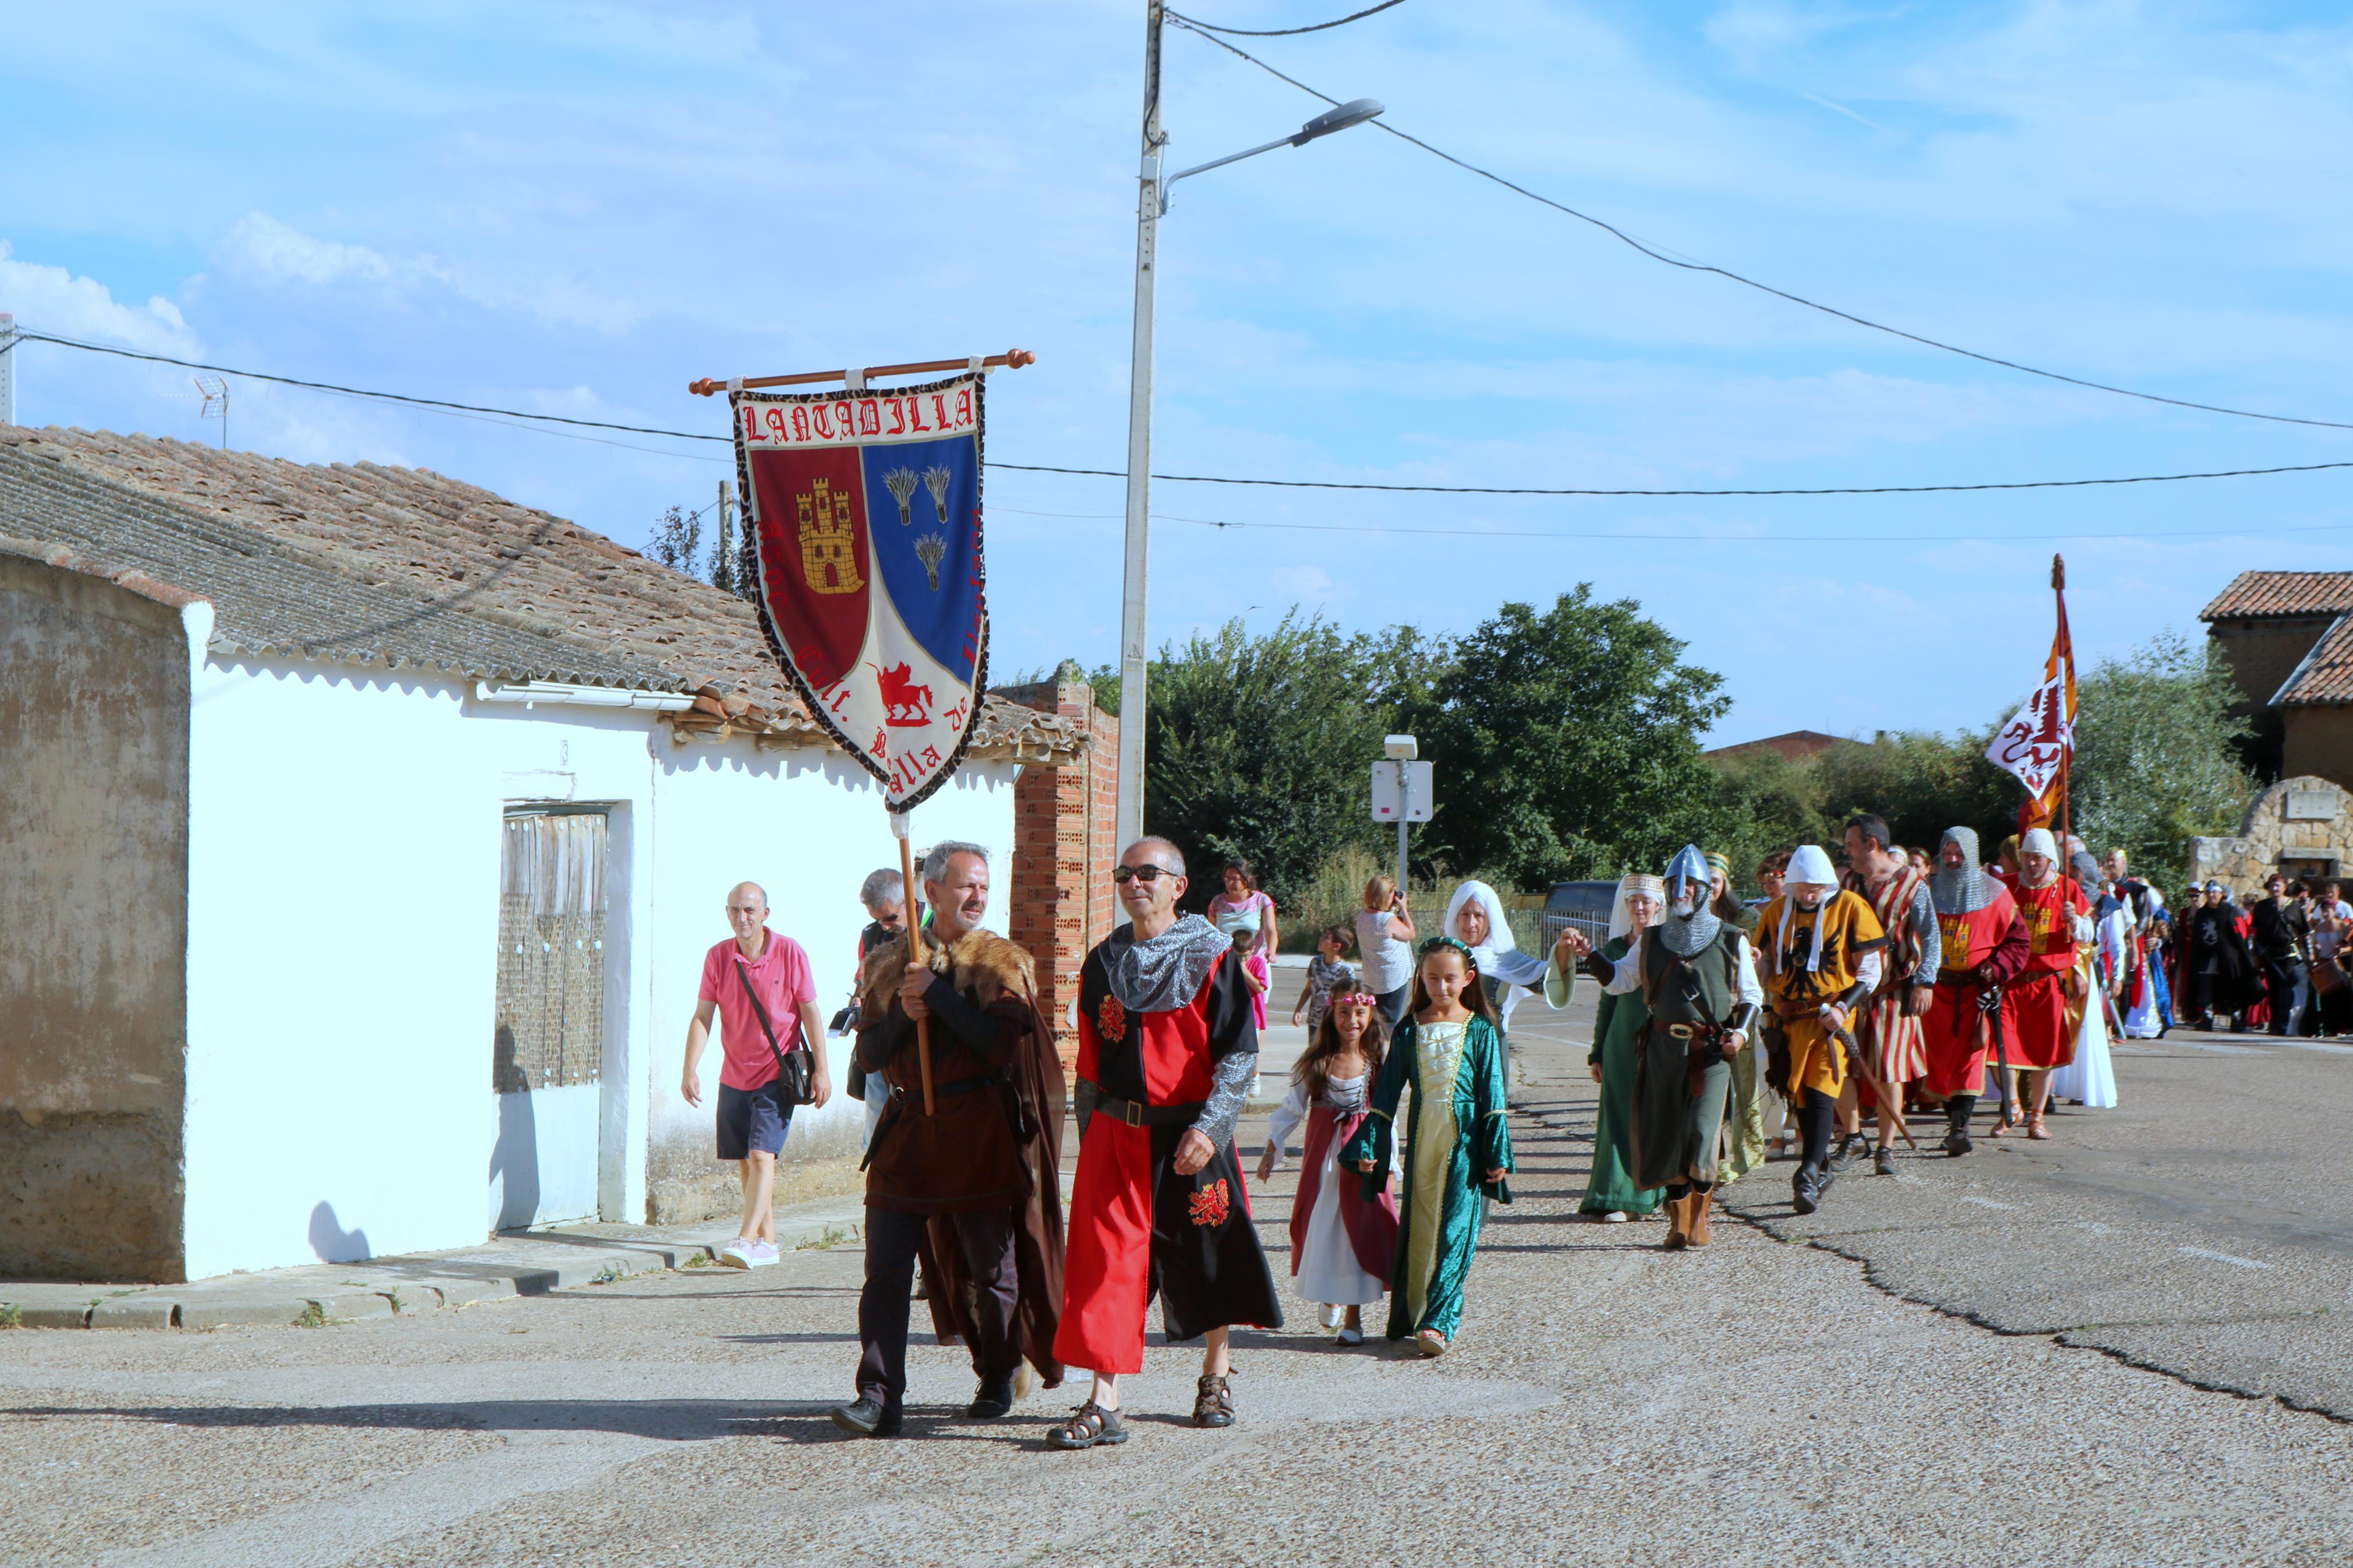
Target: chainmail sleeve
(1229, 1082)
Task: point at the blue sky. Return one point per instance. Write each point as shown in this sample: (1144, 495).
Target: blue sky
(577, 209)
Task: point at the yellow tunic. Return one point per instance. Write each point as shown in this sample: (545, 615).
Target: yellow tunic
(1798, 984)
(1438, 1059)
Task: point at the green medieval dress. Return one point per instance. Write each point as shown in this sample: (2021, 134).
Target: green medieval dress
(1456, 1134)
(1617, 1037)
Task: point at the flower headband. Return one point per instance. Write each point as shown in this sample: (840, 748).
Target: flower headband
(1470, 959)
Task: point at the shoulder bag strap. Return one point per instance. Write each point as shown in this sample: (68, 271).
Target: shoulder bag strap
(744, 974)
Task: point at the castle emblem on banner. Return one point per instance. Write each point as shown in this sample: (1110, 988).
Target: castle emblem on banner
(862, 539)
(829, 541)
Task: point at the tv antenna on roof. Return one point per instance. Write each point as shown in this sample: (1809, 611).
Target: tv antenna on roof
(216, 407)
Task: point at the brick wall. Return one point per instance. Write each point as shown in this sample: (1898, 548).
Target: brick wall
(1064, 825)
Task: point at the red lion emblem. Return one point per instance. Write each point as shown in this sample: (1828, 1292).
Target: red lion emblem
(1213, 1204)
(1112, 1018)
(904, 703)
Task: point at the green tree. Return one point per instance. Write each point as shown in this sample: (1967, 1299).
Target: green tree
(1256, 748)
(1922, 783)
(2156, 758)
(1565, 743)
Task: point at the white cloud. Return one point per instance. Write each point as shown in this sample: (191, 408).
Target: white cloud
(263, 249)
(51, 299)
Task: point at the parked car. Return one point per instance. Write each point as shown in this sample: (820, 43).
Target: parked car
(1585, 905)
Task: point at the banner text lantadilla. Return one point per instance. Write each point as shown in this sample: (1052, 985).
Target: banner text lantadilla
(863, 541)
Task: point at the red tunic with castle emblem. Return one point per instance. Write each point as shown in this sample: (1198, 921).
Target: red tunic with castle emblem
(2035, 1003)
(1981, 949)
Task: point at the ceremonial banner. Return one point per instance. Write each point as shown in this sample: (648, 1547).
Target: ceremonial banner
(863, 537)
(2038, 742)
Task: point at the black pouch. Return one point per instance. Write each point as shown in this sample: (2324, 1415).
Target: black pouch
(796, 1069)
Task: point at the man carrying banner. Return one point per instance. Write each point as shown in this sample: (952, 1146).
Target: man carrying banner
(1982, 945)
(1826, 949)
(2035, 1005)
(1891, 1030)
(973, 1186)
(1166, 1053)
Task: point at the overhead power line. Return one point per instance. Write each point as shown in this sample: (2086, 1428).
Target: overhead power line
(363, 391)
(1619, 234)
(1793, 490)
(474, 410)
(1652, 536)
(1282, 32)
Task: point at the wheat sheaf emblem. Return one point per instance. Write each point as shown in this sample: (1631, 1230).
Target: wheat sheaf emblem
(900, 483)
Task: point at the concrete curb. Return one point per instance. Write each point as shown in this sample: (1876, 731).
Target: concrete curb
(511, 1264)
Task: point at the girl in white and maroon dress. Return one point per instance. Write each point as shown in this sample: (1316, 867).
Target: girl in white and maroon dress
(1343, 1246)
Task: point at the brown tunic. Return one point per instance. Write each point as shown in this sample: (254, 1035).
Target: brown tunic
(969, 1156)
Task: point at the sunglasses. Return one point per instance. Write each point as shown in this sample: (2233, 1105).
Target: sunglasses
(1147, 875)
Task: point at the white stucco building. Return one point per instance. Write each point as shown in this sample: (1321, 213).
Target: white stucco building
(365, 834)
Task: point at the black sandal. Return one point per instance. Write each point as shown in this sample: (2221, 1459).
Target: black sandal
(1089, 1425)
(1213, 1405)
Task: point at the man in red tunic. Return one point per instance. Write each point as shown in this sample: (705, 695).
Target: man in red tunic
(2034, 1004)
(1982, 943)
(1166, 1053)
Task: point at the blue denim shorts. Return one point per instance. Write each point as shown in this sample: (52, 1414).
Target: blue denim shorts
(752, 1121)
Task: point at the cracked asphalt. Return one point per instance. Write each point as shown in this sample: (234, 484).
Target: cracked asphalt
(2018, 1357)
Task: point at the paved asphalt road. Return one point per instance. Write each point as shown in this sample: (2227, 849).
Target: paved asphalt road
(1762, 1401)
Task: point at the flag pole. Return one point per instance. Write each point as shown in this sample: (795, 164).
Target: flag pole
(2067, 698)
(899, 825)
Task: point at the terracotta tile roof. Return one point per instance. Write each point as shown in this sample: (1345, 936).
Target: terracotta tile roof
(2258, 595)
(2325, 676)
(475, 559)
(270, 599)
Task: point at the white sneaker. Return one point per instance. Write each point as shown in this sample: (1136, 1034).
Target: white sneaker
(761, 1255)
(1352, 1336)
(1615, 1217)
(737, 1254)
(1332, 1316)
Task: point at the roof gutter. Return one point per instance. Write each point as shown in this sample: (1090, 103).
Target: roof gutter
(556, 693)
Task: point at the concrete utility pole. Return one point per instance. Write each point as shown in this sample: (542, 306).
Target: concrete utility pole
(7, 368)
(1133, 657)
(723, 559)
(1151, 206)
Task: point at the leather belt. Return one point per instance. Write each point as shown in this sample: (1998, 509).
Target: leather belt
(943, 1090)
(1135, 1115)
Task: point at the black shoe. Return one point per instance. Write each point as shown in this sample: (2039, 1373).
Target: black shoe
(1850, 1147)
(865, 1417)
(1883, 1161)
(1806, 1190)
(1956, 1144)
(992, 1399)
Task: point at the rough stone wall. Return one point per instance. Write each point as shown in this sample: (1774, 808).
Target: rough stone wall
(1064, 823)
(93, 926)
(2269, 835)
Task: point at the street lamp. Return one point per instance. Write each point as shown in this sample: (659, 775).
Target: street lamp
(1152, 202)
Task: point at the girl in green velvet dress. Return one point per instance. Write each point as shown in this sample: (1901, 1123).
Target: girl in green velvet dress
(1459, 1147)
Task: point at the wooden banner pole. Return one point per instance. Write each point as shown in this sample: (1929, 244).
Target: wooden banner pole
(907, 888)
(1013, 358)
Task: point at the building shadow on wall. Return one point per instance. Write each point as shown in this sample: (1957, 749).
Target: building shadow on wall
(332, 1242)
(514, 1158)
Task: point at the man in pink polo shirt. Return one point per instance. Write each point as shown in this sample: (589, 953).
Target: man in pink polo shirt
(753, 1114)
